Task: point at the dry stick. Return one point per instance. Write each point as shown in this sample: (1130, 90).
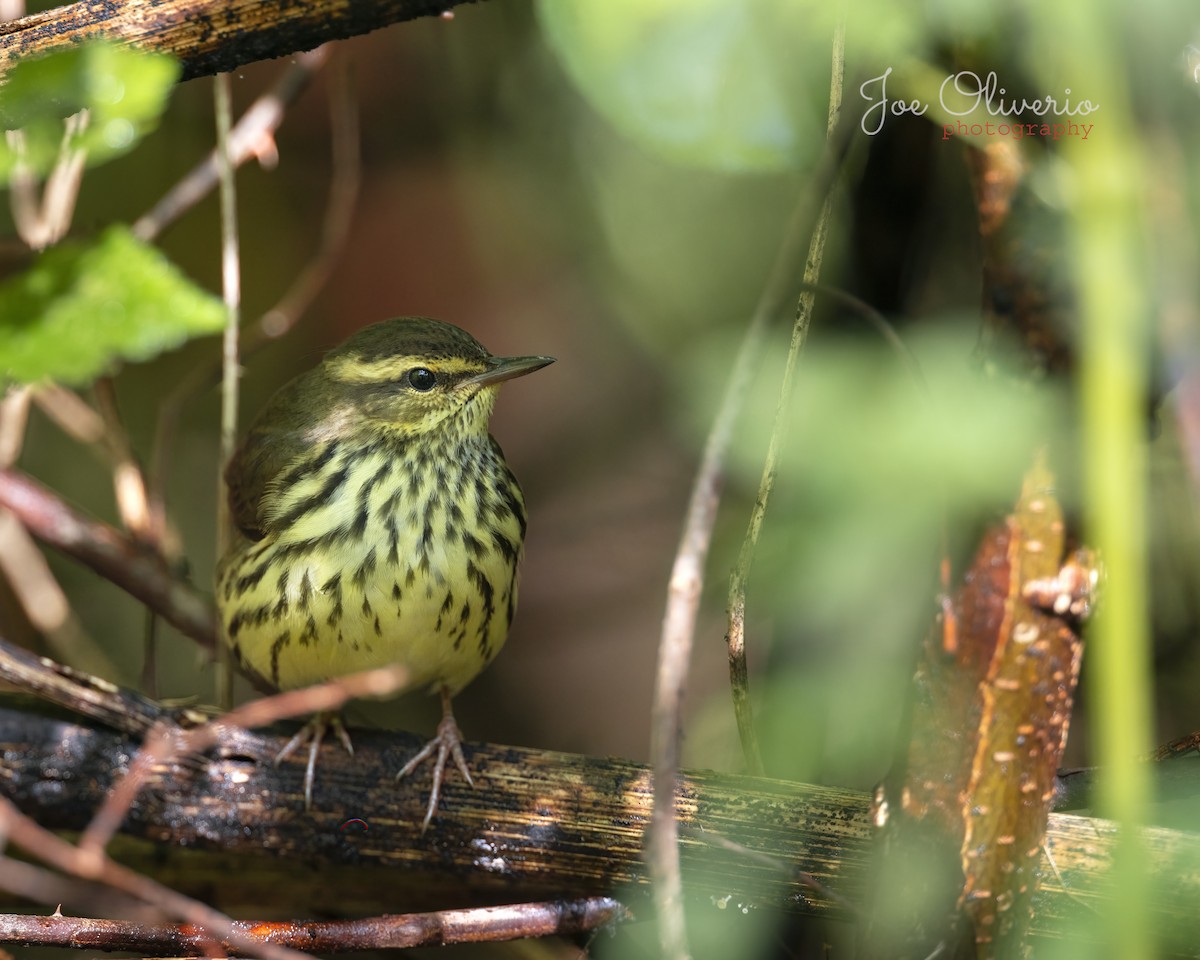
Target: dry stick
(739, 680)
(399, 931)
(231, 283)
(110, 554)
(29, 576)
(208, 36)
(143, 520)
(687, 573)
(142, 515)
(166, 740)
(335, 229)
(72, 415)
(43, 600)
(80, 692)
(14, 417)
(46, 846)
(260, 121)
(44, 220)
(30, 882)
(256, 125)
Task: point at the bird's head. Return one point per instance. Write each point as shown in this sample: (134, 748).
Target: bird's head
(413, 375)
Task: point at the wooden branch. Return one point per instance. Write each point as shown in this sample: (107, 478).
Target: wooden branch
(541, 825)
(128, 564)
(395, 932)
(208, 36)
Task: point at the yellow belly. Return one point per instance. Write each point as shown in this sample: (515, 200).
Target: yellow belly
(422, 574)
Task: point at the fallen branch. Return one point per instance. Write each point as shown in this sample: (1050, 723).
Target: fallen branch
(116, 557)
(541, 825)
(208, 36)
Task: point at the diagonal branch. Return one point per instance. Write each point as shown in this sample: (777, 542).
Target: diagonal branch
(111, 554)
(736, 635)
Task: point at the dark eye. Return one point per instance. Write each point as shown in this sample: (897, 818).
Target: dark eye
(422, 378)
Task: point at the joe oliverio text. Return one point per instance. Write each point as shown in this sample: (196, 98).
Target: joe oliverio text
(966, 95)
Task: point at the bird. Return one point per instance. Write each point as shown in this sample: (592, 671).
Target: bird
(377, 523)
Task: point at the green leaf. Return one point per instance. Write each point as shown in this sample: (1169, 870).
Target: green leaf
(82, 307)
(711, 83)
(124, 90)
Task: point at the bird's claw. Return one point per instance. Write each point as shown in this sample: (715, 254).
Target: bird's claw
(313, 733)
(447, 744)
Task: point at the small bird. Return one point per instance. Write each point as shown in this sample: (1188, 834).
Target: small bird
(378, 524)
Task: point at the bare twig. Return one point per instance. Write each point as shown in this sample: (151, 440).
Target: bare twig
(77, 691)
(401, 931)
(687, 573)
(739, 679)
(32, 581)
(166, 741)
(31, 882)
(71, 414)
(43, 599)
(108, 553)
(231, 284)
(338, 212)
(43, 220)
(24, 833)
(144, 521)
(14, 417)
(208, 36)
(256, 127)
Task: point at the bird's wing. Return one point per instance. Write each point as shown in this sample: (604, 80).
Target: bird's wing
(278, 437)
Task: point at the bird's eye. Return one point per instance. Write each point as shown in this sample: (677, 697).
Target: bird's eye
(422, 378)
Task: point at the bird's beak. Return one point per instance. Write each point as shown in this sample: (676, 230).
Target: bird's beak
(505, 368)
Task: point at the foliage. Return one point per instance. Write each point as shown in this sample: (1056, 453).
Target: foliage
(82, 306)
(124, 92)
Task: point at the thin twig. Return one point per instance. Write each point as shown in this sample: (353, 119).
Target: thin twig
(736, 636)
(110, 554)
(231, 284)
(687, 573)
(339, 208)
(43, 599)
(29, 576)
(516, 921)
(256, 127)
(37, 884)
(166, 740)
(345, 180)
(43, 220)
(71, 414)
(14, 418)
(27, 835)
(144, 520)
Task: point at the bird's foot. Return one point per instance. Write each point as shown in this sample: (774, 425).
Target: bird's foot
(447, 744)
(313, 733)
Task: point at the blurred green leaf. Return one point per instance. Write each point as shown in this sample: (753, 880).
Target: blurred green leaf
(124, 90)
(81, 307)
(709, 83)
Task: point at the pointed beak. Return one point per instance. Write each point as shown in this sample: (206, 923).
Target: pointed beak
(506, 368)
